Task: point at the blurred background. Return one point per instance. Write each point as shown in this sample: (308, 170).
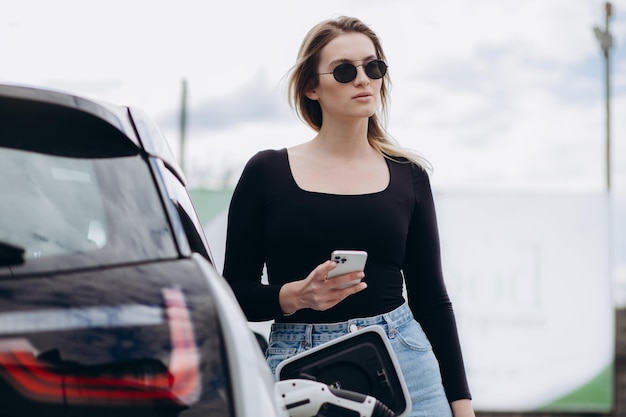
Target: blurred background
(506, 98)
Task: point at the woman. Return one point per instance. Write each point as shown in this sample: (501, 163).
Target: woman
(350, 187)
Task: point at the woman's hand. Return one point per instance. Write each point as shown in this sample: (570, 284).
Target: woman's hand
(318, 292)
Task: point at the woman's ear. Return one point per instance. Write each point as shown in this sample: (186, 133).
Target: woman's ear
(311, 94)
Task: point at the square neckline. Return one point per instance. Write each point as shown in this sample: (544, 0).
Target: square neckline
(285, 152)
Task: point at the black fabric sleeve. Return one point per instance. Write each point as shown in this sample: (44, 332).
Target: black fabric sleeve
(427, 293)
(243, 260)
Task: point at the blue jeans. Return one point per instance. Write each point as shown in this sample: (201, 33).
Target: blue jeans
(418, 363)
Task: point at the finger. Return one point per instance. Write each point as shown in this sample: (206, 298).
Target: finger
(345, 279)
(341, 282)
(325, 268)
(353, 289)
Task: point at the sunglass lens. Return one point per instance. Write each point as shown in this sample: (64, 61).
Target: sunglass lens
(376, 69)
(344, 73)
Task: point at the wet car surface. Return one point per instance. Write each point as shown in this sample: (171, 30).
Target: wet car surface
(110, 304)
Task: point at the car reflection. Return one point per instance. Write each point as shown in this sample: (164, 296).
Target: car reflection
(48, 378)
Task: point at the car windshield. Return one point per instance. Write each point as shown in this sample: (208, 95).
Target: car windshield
(71, 212)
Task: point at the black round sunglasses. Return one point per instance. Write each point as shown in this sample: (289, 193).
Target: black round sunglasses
(346, 72)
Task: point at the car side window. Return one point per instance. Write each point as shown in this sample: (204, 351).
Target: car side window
(187, 212)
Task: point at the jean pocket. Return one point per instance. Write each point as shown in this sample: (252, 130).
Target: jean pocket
(413, 337)
(278, 352)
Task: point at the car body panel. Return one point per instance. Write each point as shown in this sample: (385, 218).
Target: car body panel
(151, 342)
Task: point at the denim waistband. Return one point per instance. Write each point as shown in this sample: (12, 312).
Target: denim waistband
(390, 320)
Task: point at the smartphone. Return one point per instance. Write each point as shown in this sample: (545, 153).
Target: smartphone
(348, 261)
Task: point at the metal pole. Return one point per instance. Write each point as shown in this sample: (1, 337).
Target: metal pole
(607, 76)
(183, 125)
(606, 41)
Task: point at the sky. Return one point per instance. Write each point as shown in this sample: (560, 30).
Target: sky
(504, 95)
(496, 94)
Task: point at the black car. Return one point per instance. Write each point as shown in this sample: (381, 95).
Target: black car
(109, 301)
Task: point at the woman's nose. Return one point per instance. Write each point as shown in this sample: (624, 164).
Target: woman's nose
(361, 76)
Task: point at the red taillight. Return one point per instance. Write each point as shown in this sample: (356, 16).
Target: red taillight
(42, 382)
(185, 360)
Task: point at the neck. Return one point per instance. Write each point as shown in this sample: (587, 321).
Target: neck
(345, 137)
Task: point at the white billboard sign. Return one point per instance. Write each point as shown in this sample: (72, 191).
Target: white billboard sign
(529, 279)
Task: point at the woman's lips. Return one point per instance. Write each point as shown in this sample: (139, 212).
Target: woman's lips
(362, 96)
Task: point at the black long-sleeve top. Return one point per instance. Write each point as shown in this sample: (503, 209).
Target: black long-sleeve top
(273, 222)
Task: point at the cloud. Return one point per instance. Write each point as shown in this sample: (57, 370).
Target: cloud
(252, 102)
(492, 92)
(502, 95)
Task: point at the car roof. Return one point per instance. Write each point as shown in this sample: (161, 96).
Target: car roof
(125, 123)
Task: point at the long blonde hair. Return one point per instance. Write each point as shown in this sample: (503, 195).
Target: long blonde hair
(304, 78)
